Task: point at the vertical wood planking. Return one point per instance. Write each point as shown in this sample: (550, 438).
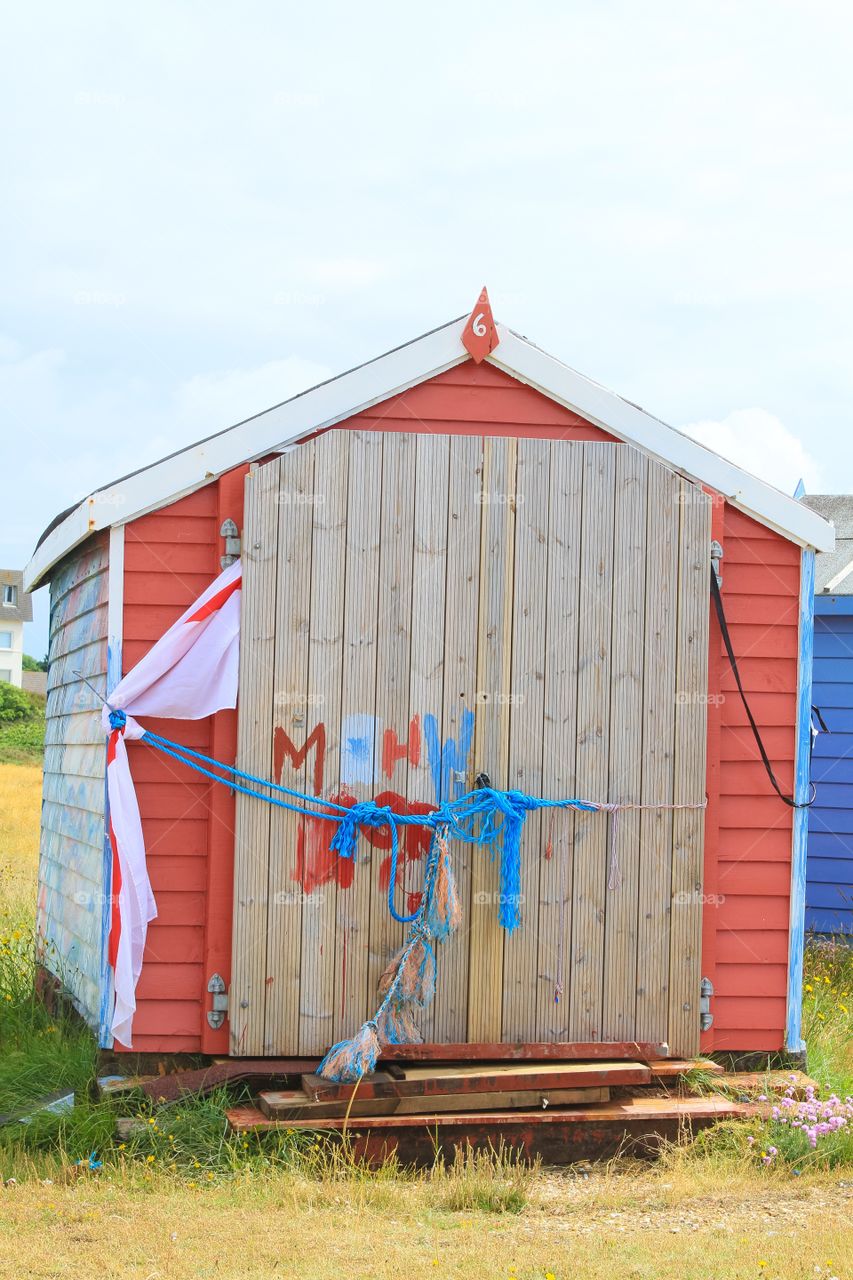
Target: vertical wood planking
(626, 744)
(454, 725)
(358, 700)
(293, 719)
(574, 622)
(659, 690)
(426, 674)
(559, 738)
(254, 755)
(392, 683)
(325, 656)
(526, 714)
(591, 761)
(688, 825)
(491, 735)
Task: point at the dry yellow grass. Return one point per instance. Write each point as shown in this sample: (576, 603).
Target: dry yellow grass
(20, 808)
(684, 1218)
(283, 1226)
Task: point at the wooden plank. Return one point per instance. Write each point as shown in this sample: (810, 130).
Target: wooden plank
(620, 1113)
(626, 744)
(559, 734)
(591, 761)
(393, 647)
(293, 722)
(671, 1068)
(460, 1078)
(453, 729)
(349, 987)
(426, 673)
(179, 1084)
(526, 715)
(659, 693)
(491, 735)
(254, 755)
(325, 655)
(532, 1051)
(691, 733)
(294, 1103)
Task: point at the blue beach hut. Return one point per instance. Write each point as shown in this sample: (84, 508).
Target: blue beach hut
(829, 893)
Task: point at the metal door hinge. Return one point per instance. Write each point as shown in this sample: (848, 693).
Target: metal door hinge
(219, 1004)
(716, 557)
(231, 534)
(706, 1017)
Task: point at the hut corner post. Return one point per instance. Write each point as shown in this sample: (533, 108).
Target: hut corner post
(115, 612)
(794, 1042)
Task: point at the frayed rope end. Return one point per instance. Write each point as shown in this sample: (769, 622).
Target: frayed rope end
(349, 1060)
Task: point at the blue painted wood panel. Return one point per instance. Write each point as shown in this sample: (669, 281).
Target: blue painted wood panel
(829, 890)
(71, 890)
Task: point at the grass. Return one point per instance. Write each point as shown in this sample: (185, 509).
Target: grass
(182, 1197)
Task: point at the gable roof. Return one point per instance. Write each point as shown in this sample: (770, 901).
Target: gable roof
(344, 396)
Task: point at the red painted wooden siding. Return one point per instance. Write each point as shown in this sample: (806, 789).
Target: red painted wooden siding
(173, 554)
(170, 557)
(748, 859)
(475, 400)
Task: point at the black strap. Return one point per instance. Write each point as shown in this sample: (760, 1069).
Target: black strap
(716, 596)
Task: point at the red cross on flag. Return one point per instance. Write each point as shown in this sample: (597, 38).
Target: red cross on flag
(480, 335)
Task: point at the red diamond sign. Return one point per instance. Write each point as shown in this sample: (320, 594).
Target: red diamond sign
(480, 335)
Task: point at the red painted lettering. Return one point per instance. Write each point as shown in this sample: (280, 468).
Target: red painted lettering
(393, 749)
(283, 746)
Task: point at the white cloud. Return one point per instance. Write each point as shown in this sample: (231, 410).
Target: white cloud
(69, 439)
(759, 442)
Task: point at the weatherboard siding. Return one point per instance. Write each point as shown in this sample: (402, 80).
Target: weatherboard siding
(829, 888)
(71, 887)
(747, 920)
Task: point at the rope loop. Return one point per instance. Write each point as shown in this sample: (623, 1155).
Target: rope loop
(118, 718)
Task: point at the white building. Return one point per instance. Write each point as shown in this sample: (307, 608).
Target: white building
(16, 608)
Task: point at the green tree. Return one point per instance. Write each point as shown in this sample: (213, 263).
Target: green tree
(14, 703)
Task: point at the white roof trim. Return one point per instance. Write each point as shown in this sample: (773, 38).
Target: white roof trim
(351, 392)
(609, 411)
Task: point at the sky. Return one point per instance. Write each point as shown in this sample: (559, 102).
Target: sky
(208, 207)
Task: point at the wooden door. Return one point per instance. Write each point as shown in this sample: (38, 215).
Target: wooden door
(417, 610)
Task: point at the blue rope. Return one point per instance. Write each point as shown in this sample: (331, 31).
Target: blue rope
(485, 817)
(155, 740)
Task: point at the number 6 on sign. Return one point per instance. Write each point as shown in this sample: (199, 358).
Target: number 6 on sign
(480, 335)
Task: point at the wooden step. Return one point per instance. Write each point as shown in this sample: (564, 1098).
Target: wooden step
(548, 1051)
(295, 1104)
(671, 1068)
(470, 1078)
(558, 1136)
(625, 1109)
